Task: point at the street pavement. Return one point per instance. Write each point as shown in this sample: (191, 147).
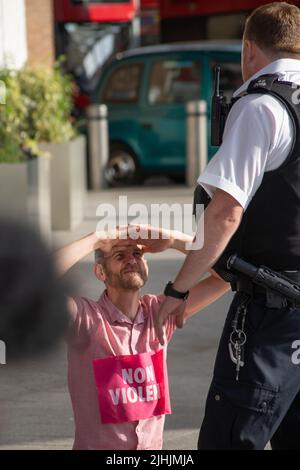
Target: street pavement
(34, 403)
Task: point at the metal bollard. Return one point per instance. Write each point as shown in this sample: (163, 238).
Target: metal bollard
(98, 144)
(196, 140)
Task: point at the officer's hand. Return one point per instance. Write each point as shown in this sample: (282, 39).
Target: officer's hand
(170, 306)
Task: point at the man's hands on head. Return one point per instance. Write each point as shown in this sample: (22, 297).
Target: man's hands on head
(155, 239)
(151, 239)
(106, 240)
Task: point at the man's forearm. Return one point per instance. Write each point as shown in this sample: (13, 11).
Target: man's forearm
(180, 241)
(70, 254)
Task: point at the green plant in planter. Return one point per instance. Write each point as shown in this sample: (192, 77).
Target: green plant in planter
(12, 114)
(38, 108)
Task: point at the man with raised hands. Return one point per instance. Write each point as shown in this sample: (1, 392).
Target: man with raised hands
(117, 368)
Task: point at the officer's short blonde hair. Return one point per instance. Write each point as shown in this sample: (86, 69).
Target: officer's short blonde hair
(275, 28)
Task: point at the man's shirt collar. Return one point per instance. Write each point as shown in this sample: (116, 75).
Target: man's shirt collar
(115, 315)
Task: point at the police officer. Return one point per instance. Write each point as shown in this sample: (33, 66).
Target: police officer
(254, 185)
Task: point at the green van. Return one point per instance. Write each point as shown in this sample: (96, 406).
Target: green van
(146, 91)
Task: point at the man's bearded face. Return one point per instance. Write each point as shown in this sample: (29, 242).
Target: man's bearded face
(126, 267)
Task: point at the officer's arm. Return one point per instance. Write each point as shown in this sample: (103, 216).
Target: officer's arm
(205, 293)
(221, 219)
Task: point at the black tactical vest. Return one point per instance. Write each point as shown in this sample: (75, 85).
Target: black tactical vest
(269, 233)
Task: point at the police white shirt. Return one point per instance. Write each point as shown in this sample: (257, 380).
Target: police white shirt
(257, 138)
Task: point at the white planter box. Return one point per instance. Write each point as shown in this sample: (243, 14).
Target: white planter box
(25, 193)
(68, 182)
(13, 190)
(38, 195)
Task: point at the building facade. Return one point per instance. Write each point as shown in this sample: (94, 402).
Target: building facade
(26, 33)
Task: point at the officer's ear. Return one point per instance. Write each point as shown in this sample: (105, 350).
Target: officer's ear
(249, 48)
(257, 57)
(249, 55)
(99, 272)
(247, 44)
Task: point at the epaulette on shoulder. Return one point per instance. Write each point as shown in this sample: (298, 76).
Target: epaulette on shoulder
(264, 82)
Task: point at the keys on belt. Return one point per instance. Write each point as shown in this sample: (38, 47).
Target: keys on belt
(238, 337)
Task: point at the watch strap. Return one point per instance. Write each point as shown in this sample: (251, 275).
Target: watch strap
(171, 292)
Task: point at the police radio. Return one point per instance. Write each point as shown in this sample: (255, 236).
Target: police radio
(219, 110)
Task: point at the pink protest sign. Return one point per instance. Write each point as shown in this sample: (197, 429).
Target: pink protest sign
(132, 387)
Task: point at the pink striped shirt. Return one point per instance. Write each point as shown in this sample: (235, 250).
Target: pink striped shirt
(100, 330)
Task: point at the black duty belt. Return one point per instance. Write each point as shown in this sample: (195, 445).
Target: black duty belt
(273, 299)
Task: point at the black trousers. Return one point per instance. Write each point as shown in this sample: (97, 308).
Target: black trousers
(264, 405)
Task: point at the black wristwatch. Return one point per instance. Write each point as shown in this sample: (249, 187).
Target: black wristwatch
(171, 292)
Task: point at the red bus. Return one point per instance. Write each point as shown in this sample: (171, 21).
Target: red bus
(99, 11)
(187, 8)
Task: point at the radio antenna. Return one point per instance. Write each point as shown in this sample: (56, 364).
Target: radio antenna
(217, 80)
